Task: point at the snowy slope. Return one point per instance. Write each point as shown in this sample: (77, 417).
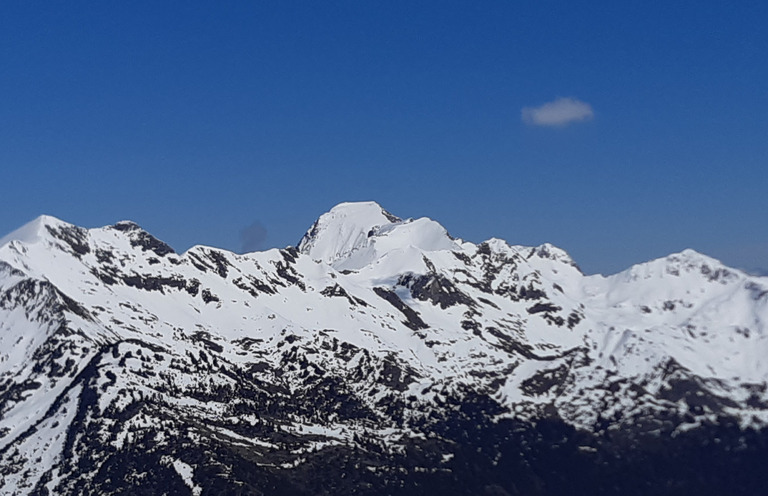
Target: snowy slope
(374, 327)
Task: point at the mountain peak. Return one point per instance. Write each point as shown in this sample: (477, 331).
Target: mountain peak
(552, 252)
(33, 230)
(353, 235)
(343, 229)
(687, 263)
(126, 226)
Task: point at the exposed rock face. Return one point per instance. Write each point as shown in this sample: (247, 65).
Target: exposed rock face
(380, 356)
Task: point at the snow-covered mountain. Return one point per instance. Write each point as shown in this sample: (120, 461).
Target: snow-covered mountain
(379, 356)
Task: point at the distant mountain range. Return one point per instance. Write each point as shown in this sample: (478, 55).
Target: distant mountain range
(380, 356)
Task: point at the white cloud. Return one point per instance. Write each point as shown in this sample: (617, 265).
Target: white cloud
(559, 112)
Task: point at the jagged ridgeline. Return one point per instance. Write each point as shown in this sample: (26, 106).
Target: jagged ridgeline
(380, 356)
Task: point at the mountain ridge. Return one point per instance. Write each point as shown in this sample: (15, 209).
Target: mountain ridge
(373, 337)
(31, 229)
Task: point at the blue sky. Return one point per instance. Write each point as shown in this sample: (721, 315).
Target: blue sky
(199, 119)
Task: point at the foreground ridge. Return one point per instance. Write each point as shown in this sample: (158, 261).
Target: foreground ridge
(379, 356)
